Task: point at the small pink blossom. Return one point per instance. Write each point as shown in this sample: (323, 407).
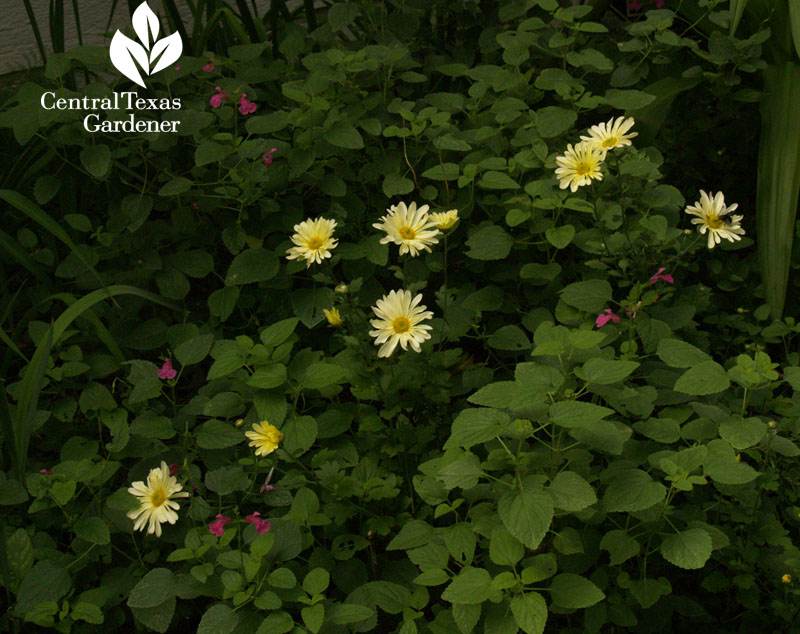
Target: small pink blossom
(606, 316)
(634, 5)
(262, 526)
(658, 276)
(266, 487)
(47, 472)
(218, 528)
(209, 67)
(216, 100)
(267, 156)
(173, 469)
(177, 68)
(194, 206)
(167, 371)
(635, 311)
(660, 4)
(245, 105)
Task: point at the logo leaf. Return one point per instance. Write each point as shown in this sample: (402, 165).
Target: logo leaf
(145, 22)
(123, 51)
(170, 49)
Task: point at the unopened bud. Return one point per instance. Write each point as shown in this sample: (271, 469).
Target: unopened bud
(341, 288)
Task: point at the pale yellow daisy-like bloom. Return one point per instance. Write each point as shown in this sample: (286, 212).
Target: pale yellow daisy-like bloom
(445, 219)
(411, 228)
(264, 437)
(314, 241)
(611, 134)
(399, 320)
(333, 317)
(579, 166)
(156, 505)
(711, 213)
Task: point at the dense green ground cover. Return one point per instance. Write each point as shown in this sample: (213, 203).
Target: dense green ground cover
(598, 433)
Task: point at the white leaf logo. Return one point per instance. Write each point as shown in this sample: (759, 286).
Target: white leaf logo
(129, 56)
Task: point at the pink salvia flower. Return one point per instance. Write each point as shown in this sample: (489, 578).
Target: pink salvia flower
(177, 68)
(218, 528)
(173, 469)
(634, 5)
(658, 276)
(167, 371)
(266, 487)
(47, 472)
(606, 316)
(194, 206)
(262, 526)
(267, 156)
(245, 105)
(216, 100)
(208, 67)
(660, 4)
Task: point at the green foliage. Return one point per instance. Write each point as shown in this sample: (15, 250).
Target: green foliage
(576, 447)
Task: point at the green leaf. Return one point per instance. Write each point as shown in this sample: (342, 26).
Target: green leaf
(574, 592)
(194, 350)
(632, 490)
(313, 616)
(344, 135)
(570, 492)
(497, 180)
(628, 99)
(46, 581)
(269, 376)
(591, 295)
(153, 589)
(472, 585)
(89, 612)
(19, 553)
(215, 434)
(175, 187)
(463, 472)
(226, 480)
(721, 466)
(688, 549)
(316, 581)
(571, 414)
(707, 377)
(530, 612)
(620, 546)
(211, 152)
(267, 123)
(648, 591)
(344, 613)
(560, 237)
(489, 243)
(445, 171)
(278, 332)
(504, 548)
(742, 433)
(282, 578)
(679, 354)
(553, 121)
(93, 530)
(252, 265)
(526, 515)
(396, 185)
(475, 426)
(218, 619)
(319, 375)
(96, 159)
(412, 535)
(299, 434)
(605, 372)
(509, 338)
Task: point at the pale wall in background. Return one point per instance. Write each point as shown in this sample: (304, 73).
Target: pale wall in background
(18, 49)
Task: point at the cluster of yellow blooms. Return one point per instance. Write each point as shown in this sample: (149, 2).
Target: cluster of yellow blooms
(581, 164)
(399, 314)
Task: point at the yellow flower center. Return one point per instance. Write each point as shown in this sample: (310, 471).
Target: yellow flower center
(610, 141)
(714, 221)
(158, 498)
(315, 242)
(583, 168)
(407, 233)
(401, 325)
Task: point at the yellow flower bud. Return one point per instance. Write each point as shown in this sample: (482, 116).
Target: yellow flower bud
(787, 578)
(333, 317)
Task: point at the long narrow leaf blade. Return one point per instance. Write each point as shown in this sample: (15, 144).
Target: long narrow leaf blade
(778, 179)
(737, 9)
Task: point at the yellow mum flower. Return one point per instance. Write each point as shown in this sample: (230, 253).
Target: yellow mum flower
(264, 437)
(156, 505)
(710, 212)
(314, 241)
(411, 228)
(579, 166)
(399, 321)
(787, 578)
(611, 134)
(333, 317)
(445, 219)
